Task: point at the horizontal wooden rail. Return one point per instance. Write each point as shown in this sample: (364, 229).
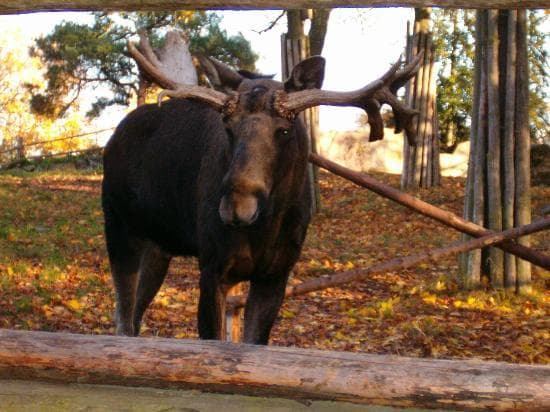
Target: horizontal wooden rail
(29, 6)
(403, 262)
(273, 371)
(426, 209)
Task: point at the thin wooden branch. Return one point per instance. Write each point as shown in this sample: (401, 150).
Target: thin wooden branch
(274, 371)
(29, 6)
(426, 209)
(404, 262)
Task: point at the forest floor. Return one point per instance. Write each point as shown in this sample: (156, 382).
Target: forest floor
(54, 275)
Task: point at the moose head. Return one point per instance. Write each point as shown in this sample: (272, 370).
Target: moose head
(260, 120)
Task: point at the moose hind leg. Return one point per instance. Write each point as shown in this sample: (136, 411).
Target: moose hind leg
(264, 301)
(124, 267)
(152, 271)
(124, 255)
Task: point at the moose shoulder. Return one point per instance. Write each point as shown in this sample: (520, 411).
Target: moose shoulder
(182, 179)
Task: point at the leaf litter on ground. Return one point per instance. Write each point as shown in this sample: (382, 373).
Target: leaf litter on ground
(54, 276)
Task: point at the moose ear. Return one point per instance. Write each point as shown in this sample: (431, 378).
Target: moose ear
(251, 75)
(222, 77)
(308, 74)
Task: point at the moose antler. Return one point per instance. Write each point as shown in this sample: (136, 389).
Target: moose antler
(369, 98)
(150, 65)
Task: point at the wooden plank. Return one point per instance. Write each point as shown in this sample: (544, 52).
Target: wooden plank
(260, 370)
(28, 6)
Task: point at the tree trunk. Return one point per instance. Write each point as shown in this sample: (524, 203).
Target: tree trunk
(143, 86)
(522, 150)
(273, 371)
(498, 190)
(173, 58)
(421, 161)
(294, 49)
(470, 264)
(318, 30)
(19, 150)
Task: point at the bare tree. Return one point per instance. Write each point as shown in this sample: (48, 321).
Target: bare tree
(295, 47)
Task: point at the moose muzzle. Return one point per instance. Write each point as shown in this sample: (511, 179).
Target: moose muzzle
(238, 209)
(242, 199)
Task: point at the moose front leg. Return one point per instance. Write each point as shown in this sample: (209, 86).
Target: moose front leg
(262, 306)
(211, 316)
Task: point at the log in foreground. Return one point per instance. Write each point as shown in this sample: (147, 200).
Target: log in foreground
(426, 209)
(401, 262)
(29, 6)
(284, 372)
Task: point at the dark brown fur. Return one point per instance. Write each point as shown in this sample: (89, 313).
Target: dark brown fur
(180, 180)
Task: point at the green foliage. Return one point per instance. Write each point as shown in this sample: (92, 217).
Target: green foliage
(454, 45)
(80, 55)
(538, 78)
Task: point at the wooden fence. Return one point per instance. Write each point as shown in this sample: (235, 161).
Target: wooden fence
(294, 373)
(28, 6)
(274, 371)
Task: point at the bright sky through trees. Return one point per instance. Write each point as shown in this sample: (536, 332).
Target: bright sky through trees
(361, 44)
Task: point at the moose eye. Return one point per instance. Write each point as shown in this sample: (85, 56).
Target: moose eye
(282, 133)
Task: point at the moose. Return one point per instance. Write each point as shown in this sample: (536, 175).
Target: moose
(219, 174)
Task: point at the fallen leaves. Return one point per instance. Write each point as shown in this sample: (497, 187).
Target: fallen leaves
(73, 304)
(54, 275)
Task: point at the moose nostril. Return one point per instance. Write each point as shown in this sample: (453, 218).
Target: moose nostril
(237, 222)
(254, 217)
(238, 210)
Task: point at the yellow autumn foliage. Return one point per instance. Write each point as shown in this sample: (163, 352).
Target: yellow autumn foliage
(18, 74)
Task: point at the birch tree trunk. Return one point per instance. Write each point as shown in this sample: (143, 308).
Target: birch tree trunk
(498, 184)
(421, 162)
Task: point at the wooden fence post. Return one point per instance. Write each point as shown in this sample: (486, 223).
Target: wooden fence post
(234, 317)
(293, 51)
